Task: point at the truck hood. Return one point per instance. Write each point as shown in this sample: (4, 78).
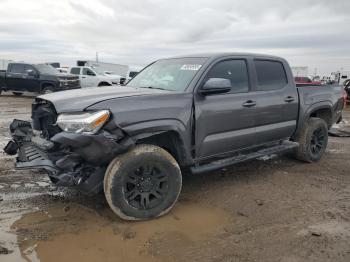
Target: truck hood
(80, 99)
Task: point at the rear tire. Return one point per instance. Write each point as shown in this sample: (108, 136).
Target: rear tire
(312, 140)
(17, 93)
(143, 183)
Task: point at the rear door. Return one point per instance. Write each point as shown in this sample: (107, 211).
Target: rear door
(77, 71)
(224, 122)
(15, 77)
(277, 105)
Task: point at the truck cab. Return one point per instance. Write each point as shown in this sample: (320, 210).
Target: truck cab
(92, 77)
(36, 78)
(193, 114)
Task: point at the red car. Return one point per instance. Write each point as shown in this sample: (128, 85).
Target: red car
(304, 80)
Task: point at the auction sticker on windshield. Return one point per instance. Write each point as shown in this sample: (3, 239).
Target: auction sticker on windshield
(191, 67)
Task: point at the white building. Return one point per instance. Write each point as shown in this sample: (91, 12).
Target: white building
(300, 70)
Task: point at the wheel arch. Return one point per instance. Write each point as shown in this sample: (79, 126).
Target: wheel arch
(170, 135)
(44, 85)
(168, 140)
(323, 111)
(104, 83)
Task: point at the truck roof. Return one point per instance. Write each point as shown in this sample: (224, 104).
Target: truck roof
(225, 54)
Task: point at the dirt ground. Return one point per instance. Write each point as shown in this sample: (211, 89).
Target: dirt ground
(265, 210)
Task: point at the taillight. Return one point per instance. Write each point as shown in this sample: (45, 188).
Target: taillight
(344, 96)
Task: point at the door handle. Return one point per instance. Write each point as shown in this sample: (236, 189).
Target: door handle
(289, 99)
(83, 77)
(249, 103)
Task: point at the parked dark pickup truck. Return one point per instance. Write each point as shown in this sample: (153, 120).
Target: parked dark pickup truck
(186, 114)
(40, 78)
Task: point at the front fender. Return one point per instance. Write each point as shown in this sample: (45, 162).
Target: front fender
(150, 128)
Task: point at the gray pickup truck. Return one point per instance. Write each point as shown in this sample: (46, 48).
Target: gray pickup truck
(185, 114)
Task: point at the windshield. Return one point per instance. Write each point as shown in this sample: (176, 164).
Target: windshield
(46, 69)
(168, 74)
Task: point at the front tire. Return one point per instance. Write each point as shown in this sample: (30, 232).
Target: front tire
(313, 140)
(103, 84)
(47, 90)
(143, 183)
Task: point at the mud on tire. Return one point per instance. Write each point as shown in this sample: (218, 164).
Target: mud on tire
(143, 183)
(312, 140)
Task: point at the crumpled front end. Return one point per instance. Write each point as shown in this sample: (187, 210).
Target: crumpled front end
(70, 159)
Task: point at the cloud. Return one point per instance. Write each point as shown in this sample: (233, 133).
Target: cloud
(306, 32)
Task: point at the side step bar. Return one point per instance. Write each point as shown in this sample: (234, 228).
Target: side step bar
(280, 148)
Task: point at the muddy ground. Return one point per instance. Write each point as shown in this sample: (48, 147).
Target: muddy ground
(265, 210)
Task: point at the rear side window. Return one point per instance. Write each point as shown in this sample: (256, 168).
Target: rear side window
(17, 68)
(75, 71)
(234, 70)
(271, 75)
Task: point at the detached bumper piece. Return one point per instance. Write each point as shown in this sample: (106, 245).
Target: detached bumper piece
(32, 157)
(70, 159)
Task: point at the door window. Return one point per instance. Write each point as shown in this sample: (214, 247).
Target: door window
(75, 71)
(271, 75)
(233, 70)
(88, 72)
(28, 68)
(17, 69)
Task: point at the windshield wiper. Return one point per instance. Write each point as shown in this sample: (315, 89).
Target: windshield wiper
(152, 87)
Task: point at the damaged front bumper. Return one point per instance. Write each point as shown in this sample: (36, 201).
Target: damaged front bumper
(69, 159)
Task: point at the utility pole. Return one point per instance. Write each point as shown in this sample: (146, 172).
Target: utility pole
(96, 57)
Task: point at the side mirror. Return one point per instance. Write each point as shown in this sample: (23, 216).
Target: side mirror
(216, 86)
(122, 81)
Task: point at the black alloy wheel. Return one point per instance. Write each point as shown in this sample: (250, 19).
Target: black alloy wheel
(146, 186)
(317, 141)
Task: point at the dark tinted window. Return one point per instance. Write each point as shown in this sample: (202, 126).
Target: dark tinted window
(75, 71)
(271, 75)
(235, 71)
(133, 74)
(88, 72)
(17, 68)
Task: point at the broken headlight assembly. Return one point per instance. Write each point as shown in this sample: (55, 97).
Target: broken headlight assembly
(83, 122)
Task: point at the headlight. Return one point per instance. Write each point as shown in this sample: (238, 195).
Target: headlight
(84, 122)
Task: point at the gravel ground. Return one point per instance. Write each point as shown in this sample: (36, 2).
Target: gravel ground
(265, 210)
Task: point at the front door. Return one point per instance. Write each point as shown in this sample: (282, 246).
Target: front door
(225, 122)
(31, 80)
(88, 78)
